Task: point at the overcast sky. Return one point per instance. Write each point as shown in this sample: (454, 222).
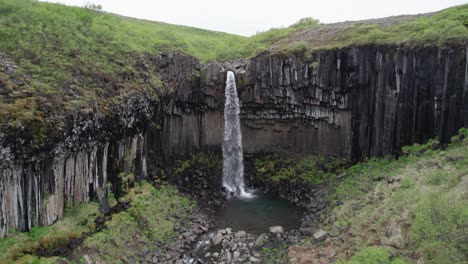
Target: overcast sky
(246, 17)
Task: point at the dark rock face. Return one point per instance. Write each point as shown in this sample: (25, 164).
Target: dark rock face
(354, 102)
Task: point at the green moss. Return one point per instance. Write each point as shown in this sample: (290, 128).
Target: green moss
(207, 162)
(274, 169)
(374, 255)
(77, 220)
(153, 215)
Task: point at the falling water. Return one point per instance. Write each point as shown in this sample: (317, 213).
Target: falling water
(233, 166)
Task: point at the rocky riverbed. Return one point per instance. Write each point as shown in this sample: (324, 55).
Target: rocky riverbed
(226, 246)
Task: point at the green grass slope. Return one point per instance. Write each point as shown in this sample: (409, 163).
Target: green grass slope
(406, 210)
(52, 41)
(152, 217)
(446, 27)
(74, 60)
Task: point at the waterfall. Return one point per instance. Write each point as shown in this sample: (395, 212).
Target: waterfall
(233, 165)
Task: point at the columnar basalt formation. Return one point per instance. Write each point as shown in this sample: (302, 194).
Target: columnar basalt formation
(353, 102)
(356, 102)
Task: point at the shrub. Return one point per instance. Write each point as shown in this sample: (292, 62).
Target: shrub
(309, 169)
(374, 255)
(440, 228)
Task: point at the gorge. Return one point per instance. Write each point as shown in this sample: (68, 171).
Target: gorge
(352, 102)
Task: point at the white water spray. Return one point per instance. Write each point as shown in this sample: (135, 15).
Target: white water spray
(233, 164)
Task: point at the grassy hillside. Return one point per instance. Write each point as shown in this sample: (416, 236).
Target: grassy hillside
(449, 26)
(52, 41)
(400, 210)
(149, 220)
(74, 59)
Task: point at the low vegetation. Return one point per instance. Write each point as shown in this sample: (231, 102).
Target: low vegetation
(447, 27)
(152, 217)
(208, 163)
(25, 247)
(315, 170)
(401, 210)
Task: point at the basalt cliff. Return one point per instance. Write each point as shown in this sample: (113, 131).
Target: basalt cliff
(354, 102)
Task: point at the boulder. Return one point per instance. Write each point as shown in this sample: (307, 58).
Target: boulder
(241, 234)
(87, 259)
(254, 259)
(217, 239)
(320, 235)
(307, 231)
(261, 240)
(276, 230)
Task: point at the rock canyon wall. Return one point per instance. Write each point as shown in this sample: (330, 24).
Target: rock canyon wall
(354, 102)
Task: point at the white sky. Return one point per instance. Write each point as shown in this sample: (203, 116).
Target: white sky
(246, 17)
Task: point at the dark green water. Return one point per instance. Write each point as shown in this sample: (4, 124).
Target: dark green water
(256, 215)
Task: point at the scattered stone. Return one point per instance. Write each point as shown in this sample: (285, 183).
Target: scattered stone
(87, 259)
(454, 158)
(241, 234)
(235, 255)
(276, 229)
(217, 239)
(307, 231)
(261, 240)
(234, 247)
(254, 259)
(298, 254)
(342, 175)
(228, 255)
(320, 235)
